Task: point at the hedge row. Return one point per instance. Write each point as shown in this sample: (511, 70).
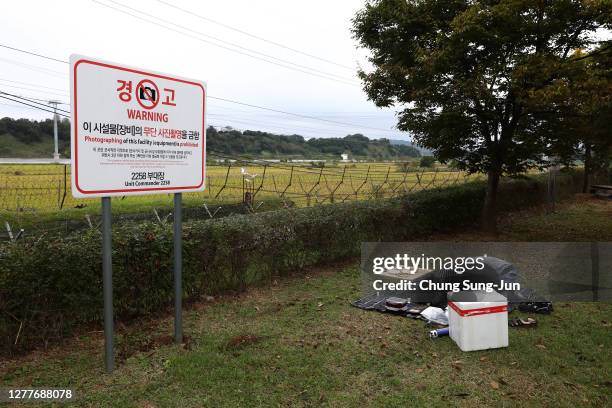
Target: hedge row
(50, 285)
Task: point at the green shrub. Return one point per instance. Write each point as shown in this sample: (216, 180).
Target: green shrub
(427, 161)
(461, 206)
(52, 284)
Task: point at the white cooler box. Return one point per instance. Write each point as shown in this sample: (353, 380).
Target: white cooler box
(478, 320)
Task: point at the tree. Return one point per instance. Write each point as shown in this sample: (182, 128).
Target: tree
(584, 106)
(464, 73)
(427, 161)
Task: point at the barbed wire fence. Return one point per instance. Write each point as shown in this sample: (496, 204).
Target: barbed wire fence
(37, 199)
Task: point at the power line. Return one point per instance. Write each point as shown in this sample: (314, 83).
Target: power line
(246, 121)
(273, 124)
(36, 90)
(252, 35)
(32, 53)
(353, 125)
(47, 101)
(227, 42)
(373, 175)
(34, 68)
(33, 100)
(172, 25)
(31, 84)
(33, 106)
(17, 106)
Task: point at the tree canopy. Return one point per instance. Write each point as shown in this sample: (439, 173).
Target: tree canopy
(468, 75)
(231, 142)
(268, 145)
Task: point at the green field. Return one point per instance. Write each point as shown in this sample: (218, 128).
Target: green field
(38, 192)
(298, 343)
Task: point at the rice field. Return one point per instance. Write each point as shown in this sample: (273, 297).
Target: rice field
(46, 187)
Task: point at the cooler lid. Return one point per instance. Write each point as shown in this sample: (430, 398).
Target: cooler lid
(474, 299)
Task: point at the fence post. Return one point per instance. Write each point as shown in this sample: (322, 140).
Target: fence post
(289, 184)
(8, 230)
(226, 177)
(65, 186)
(263, 177)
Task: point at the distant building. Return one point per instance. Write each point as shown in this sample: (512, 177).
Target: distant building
(344, 157)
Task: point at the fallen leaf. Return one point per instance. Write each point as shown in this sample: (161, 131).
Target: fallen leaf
(457, 364)
(569, 384)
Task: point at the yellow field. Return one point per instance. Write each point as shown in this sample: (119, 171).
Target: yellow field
(46, 187)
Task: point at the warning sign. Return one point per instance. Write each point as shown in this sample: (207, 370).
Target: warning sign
(135, 131)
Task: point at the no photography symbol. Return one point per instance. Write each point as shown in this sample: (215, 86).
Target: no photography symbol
(147, 94)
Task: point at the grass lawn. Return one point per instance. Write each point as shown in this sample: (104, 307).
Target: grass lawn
(583, 218)
(299, 343)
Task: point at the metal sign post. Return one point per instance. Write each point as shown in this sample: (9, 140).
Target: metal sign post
(107, 281)
(178, 268)
(134, 132)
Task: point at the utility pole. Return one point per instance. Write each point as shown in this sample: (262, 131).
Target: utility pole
(55, 118)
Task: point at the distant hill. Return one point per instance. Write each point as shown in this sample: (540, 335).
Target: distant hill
(424, 152)
(26, 138)
(268, 145)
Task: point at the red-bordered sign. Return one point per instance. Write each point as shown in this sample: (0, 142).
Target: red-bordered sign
(149, 104)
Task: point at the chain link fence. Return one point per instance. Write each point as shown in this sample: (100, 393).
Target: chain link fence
(38, 198)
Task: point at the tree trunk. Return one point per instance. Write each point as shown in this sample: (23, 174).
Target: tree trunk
(587, 168)
(489, 213)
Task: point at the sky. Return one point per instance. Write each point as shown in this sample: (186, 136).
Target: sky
(204, 43)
